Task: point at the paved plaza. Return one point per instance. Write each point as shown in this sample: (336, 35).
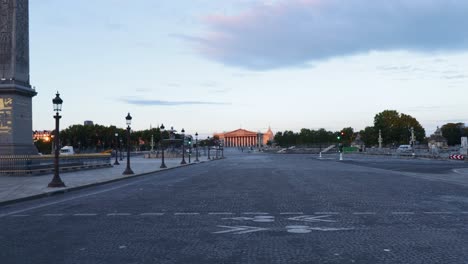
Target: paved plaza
(253, 208)
(15, 188)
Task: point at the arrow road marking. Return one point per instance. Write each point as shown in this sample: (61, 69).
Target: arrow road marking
(312, 218)
(239, 230)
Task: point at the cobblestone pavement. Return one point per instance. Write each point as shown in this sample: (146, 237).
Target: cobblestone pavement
(249, 208)
(18, 187)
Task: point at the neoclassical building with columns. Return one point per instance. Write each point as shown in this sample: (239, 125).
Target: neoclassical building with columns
(245, 138)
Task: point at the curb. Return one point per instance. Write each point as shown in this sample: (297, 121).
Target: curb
(76, 188)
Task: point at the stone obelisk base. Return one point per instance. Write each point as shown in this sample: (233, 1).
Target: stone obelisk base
(16, 135)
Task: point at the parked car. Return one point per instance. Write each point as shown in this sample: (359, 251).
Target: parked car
(404, 148)
(67, 150)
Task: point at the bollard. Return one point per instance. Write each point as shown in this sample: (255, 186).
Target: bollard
(341, 155)
(320, 155)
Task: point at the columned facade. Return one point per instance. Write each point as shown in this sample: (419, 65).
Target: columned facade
(244, 138)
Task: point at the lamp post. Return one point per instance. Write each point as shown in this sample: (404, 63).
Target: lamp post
(56, 181)
(183, 147)
(120, 147)
(196, 150)
(208, 143)
(128, 170)
(163, 165)
(116, 149)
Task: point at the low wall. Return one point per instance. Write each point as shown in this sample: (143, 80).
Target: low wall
(42, 164)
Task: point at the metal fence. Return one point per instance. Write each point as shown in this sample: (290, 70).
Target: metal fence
(17, 165)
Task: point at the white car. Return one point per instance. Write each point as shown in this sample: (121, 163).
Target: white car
(67, 150)
(404, 148)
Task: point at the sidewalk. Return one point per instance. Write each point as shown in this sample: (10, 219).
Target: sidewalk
(17, 188)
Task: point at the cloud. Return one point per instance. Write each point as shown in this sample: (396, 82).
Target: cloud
(143, 102)
(292, 33)
(455, 77)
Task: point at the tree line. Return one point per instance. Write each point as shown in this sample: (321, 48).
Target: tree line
(395, 130)
(98, 138)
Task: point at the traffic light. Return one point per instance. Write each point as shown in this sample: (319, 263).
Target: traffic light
(338, 137)
(342, 133)
(190, 141)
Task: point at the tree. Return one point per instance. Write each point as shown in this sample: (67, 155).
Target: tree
(396, 128)
(453, 132)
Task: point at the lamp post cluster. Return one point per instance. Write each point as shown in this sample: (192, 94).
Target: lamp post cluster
(57, 181)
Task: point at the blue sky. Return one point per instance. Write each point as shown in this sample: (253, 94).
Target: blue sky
(213, 66)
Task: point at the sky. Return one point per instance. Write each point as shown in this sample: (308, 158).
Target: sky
(219, 65)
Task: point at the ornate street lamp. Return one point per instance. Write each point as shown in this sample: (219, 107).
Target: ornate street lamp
(183, 147)
(196, 149)
(56, 181)
(163, 165)
(116, 149)
(128, 170)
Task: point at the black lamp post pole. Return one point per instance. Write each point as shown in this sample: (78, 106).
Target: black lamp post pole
(183, 147)
(196, 148)
(116, 149)
(120, 146)
(56, 181)
(128, 170)
(163, 165)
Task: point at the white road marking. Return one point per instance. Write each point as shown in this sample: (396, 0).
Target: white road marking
(464, 212)
(438, 212)
(326, 213)
(292, 213)
(118, 214)
(299, 229)
(85, 214)
(312, 218)
(151, 214)
(52, 214)
(403, 213)
(186, 213)
(239, 230)
(364, 213)
(325, 229)
(19, 215)
(220, 213)
(255, 213)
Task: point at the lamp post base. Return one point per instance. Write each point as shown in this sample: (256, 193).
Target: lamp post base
(128, 171)
(56, 183)
(163, 166)
(183, 162)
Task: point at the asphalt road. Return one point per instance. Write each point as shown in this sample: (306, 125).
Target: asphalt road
(251, 208)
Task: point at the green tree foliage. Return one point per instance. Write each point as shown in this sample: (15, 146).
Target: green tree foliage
(44, 147)
(310, 137)
(97, 138)
(453, 132)
(396, 127)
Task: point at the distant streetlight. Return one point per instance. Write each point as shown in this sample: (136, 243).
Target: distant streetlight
(208, 143)
(116, 149)
(56, 181)
(183, 147)
(163, 165)
(120, 147)
(128, 170)
(196, 148)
